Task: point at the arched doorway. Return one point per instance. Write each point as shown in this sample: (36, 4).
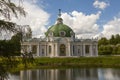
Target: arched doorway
(62, 50)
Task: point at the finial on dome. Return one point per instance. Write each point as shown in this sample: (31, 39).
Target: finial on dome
(59, 20)
(59, 15)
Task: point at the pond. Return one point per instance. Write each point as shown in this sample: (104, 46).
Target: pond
(67, 74)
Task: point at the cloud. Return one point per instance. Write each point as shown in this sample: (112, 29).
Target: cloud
(35, 1)
(111, 28)
(82, 24)
(36, 17)
(100, 4)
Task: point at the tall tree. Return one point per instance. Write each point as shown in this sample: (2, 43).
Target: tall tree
(8, 8)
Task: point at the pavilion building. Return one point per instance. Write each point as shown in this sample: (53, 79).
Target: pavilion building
(59, 41)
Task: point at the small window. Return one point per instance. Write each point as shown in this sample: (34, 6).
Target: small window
(62, 33)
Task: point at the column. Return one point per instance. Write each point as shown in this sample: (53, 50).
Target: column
(96, 50)
(52, 50)
(40, 48)
(48, 53)
(37, 50)
(46, 50)
(69, 52)
(91, 50)
(83, 50)
(71, 49)
(56, 52)
(57, 49)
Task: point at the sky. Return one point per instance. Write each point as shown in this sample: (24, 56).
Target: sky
(87, 18)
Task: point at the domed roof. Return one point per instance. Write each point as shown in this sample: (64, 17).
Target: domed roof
(59, 30)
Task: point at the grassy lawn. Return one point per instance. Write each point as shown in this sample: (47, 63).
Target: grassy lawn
(47, 62)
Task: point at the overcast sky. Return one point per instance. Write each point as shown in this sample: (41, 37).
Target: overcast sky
(87, 18)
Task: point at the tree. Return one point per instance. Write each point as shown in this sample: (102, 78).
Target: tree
(103, 41)
(114, 50)
(110, 46)
(112, 40)
(105, 50)
(117, 38)
(15, 40)
(8, 8)
(11, 47)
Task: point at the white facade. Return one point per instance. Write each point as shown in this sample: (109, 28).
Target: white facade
(61, 46)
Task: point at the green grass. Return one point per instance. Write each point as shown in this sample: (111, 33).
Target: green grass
(106, 61)
(68, 62)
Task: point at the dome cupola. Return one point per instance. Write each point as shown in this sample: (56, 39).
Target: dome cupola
(59, 29)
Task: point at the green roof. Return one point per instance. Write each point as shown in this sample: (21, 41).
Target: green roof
(57, 28)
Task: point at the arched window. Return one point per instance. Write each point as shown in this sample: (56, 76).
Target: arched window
(62, 50)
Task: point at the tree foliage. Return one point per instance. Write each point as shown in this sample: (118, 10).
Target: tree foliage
(10, 47)
(103, 41)
(109, 46)
(13, 47)
(7, 9)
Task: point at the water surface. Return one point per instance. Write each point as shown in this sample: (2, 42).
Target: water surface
(67, 74)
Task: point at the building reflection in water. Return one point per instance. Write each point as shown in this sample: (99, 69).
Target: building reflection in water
(68, 74)
(59, 74)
